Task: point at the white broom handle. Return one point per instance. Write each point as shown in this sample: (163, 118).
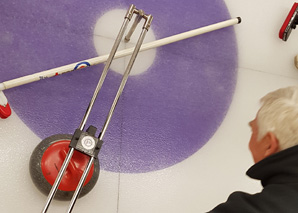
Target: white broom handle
(100, 59)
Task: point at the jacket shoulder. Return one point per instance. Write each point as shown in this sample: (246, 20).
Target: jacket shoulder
(274, 198)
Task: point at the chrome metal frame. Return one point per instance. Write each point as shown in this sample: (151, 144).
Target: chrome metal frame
(139, 16)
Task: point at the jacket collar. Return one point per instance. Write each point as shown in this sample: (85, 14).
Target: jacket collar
(278, 168)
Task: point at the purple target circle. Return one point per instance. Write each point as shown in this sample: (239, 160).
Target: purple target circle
(164, 115)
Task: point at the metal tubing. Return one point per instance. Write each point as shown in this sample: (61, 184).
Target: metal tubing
(140, 14)
(80, 185)
(58, 180)
(123, 82)
(104, 72)
(130, 12)
(134, 25)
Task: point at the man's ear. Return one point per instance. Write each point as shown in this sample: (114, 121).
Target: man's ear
(272, 144)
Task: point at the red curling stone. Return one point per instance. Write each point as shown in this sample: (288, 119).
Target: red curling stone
(46, 161)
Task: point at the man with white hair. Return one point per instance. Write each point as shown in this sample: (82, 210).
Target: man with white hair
(273, 145)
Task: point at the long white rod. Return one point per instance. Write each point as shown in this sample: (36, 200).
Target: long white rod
(100, 59)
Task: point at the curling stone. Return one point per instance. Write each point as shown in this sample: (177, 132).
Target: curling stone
(46, 161)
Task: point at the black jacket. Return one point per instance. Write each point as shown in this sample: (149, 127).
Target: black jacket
(279, 176)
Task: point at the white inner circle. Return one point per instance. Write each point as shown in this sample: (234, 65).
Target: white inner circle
(88, 142)
(105, 32)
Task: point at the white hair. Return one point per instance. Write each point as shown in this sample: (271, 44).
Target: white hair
(279, 114)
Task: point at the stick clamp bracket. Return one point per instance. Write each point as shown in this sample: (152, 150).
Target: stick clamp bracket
(86, 142)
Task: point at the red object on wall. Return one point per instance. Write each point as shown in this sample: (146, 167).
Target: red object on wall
(284, 32)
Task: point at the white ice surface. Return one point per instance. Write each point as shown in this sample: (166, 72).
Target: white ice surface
(207, 177)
